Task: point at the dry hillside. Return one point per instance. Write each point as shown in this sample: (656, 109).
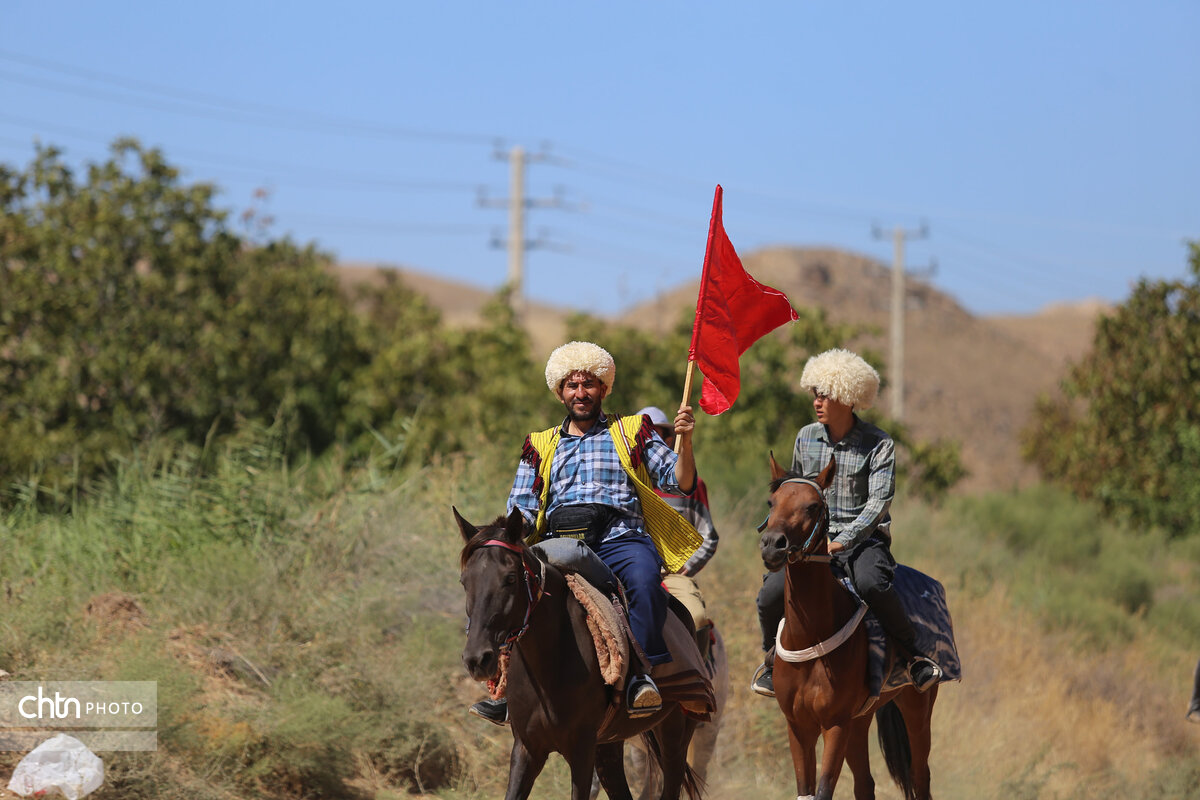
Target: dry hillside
(970, 378)
(461, 304)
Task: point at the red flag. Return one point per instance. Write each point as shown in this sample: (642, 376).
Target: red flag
(733, 311)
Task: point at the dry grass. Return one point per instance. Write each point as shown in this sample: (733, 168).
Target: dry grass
(351, 640)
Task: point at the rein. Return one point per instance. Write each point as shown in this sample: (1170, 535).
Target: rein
(822, 527)
(839, 638)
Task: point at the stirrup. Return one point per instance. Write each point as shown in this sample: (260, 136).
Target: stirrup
(642, 697)
(764, 681)
(931, 675)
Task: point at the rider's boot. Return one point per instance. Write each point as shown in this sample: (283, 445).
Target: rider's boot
(888, 609)
(494, 711)
(642, 696)
(764, 677)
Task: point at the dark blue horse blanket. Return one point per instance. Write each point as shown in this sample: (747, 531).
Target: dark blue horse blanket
(925, 601)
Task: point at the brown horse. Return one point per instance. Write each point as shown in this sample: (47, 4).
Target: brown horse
(521, 606)
(822, 689)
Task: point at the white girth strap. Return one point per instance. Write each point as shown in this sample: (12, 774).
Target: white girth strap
(821, 648)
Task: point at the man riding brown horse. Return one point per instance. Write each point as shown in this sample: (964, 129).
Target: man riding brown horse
(592, 478)
(859, 503)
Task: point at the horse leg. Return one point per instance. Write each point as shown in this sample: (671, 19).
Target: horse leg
(610, 767)
(704, 741)
(837, 739)
(523, 769)
(917, 710)
(648, 775)
(581, 757)
(803, 744)
(673, 735)
(858, 758)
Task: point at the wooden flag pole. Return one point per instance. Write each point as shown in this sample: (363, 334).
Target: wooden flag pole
(687, 395)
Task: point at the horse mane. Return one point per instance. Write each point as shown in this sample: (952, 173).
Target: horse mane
(486, 534)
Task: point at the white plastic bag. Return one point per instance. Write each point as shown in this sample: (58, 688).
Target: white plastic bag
(62, 763)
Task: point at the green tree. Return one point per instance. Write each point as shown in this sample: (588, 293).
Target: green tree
(129, 311)
(1126, 428)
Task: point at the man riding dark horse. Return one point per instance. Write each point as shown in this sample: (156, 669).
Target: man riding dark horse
(592, 478)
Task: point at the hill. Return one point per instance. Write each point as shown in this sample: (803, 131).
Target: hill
(461, 303)
(969, 378)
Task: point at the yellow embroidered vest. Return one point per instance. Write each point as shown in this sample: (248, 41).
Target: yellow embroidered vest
(675, 537)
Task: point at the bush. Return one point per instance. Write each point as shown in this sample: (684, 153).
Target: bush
(1126, 429)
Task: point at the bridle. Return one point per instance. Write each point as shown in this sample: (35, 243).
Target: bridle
(534, 589)
(800, 552)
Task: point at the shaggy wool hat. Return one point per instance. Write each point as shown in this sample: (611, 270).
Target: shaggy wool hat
(580, 357)
(843, 376)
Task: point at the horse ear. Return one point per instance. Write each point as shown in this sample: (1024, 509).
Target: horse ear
(825, 477)
(514, 526)
(467, 530)
(777, 471)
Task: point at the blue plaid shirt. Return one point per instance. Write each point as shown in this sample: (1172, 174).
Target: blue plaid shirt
(863, 485)
(586, 469)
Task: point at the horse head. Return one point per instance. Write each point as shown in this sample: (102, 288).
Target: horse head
(798, 518)
(502, 590)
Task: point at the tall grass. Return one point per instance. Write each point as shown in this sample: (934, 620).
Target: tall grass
(304, 624)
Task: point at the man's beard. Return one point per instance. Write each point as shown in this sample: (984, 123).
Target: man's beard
(590, 415)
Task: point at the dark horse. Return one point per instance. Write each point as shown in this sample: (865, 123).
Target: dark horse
(521, 606)
(823, 691)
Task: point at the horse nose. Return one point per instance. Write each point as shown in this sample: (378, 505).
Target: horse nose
(481, 664)
(772, 541)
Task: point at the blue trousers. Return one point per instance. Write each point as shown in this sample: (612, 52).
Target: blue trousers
(635, 562)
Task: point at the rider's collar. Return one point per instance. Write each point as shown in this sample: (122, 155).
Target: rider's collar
(600, 424)
(851, 435)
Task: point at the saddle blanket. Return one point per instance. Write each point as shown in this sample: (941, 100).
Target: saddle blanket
(924, 599)
(684, 679)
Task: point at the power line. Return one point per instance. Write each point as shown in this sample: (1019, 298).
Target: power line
(223, 109)
(312, 176)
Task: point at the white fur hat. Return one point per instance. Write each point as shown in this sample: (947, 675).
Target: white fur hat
(580, 357)
(843, 376)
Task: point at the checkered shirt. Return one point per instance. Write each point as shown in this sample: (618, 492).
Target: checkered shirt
(586, 469)
(863, 485)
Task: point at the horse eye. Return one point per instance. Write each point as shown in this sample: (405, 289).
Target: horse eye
(510, 579)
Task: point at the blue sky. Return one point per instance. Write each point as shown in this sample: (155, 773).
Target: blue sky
(1051, 148)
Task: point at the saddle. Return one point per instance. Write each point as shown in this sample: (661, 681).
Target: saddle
(924, 599)
(683, 680)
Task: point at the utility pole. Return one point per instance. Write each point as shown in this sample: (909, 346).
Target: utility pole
(896, 363)
(516, 203)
